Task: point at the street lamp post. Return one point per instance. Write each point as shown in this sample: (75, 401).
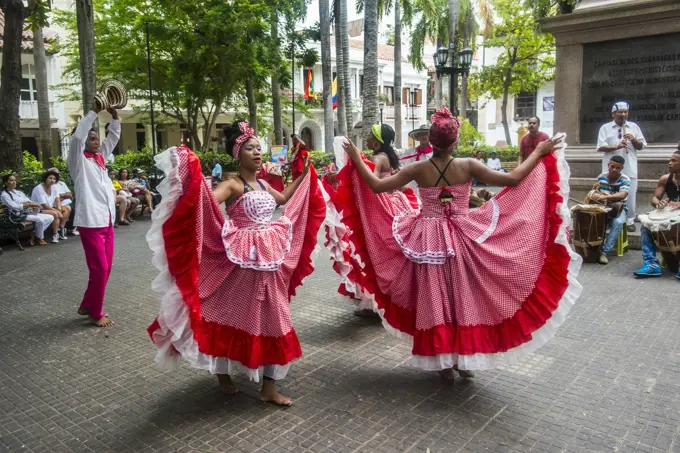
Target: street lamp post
(381, 105)
(463, 67)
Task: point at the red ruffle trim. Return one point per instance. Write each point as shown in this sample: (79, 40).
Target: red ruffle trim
(468, 340)
(315, 216)
(215, 339)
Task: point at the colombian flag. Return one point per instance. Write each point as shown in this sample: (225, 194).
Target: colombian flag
(335, 93)
(309, 85)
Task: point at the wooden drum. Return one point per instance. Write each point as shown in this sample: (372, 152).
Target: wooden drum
(665, 227)
(589, 225)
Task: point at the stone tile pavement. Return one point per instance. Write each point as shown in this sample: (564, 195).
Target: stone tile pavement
(610, 380)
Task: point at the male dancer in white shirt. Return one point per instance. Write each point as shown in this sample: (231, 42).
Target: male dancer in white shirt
(95, 213)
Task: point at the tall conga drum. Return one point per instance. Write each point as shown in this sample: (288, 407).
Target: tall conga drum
(589, 225)
(665, 227)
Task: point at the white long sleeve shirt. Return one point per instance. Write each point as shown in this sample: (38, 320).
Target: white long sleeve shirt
(14, 199)
(94, 194)
(611, 134)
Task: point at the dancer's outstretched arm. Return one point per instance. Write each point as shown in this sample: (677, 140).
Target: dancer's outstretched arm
(496, 178)
(394, 182)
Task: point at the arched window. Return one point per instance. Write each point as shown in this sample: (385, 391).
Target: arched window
(28, 89)
(307, 136)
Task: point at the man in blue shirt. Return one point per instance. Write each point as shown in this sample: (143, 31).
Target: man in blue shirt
(614, 186)
(216, 171)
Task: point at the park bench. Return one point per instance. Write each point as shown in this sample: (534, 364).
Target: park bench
(10, 229)
(509, 166)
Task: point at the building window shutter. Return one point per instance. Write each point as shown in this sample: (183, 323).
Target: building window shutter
(404, 96)
(419, 96)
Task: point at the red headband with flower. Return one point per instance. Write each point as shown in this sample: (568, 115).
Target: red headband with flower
(246, 133)
(444, 129)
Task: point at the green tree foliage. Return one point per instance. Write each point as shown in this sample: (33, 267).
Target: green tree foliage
(201, 53)
(14, 14)
(545, 8)
(525, 63)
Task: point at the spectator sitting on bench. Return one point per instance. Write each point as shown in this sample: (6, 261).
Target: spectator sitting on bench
(18, 203)
(494, 163)
(66, 197)
(141, 179)
(135, 188)
(48, 197)
(124, 199)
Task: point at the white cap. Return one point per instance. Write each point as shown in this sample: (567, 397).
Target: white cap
(620, 106)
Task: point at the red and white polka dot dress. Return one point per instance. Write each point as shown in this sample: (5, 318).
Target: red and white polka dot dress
(228, 282)
(345, 262)
(478, 289)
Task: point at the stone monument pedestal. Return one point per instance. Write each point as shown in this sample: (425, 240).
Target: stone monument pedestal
(611, 50)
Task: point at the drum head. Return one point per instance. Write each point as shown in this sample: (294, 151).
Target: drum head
(661, 219)
(589, 208)
(666, 213)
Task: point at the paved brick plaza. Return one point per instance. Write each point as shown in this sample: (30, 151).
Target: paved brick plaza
(610, 380)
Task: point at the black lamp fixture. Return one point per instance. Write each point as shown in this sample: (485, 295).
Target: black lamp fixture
(463, 67)
(381, 106)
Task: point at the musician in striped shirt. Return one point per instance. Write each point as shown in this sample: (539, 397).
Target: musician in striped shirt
(613, 186)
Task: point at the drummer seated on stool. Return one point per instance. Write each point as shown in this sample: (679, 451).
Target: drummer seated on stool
(613, 186)
(668, 185)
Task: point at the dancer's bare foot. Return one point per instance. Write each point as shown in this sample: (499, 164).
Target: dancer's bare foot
(447, 374)
(104, 321)
(365, 313)
(86, 312)
(268, 394)
(465, 374)
(226, 385)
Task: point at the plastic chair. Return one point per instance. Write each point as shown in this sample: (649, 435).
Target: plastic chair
(622, 240)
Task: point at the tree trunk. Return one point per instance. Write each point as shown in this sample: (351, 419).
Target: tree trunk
(347, 92)
(196, 140)
(453, 53)
(324, 22)
(504, 110)
(276, 86)
(339, 63)
(438, 86)
(468, 31)
(44, 120)
(252, 106)
(88, 77)
(11, 157)
(370, 104)
(463, 96)
(398, 107)
(210, 121)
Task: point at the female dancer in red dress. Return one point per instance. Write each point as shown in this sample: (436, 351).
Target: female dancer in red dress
(226, 283)
(386, 163)
(470, 291)
(298, 156)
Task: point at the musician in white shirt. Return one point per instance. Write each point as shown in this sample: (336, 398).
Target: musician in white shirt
(95, 213)
(622, 138)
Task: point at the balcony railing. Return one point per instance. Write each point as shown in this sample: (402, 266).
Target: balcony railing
(408, 112)
(29, 110)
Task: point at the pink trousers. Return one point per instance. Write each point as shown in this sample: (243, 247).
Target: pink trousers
(98, 245)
